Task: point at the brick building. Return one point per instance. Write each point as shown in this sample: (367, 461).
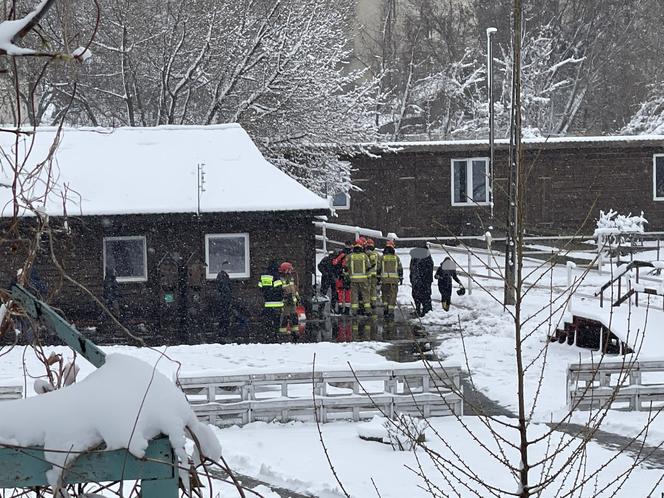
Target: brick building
(424, 189)
(167, 208)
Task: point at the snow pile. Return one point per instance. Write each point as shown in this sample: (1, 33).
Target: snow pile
(123, 404)
(612, 223)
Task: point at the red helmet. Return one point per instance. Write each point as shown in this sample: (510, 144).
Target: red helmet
(370, 243)
(358, 243)
(389, 243)
(285, 267)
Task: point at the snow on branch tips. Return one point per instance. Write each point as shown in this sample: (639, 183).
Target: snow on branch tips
(13, 30)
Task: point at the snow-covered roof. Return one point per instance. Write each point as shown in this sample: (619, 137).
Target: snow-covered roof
(154, 170)
(533, 142)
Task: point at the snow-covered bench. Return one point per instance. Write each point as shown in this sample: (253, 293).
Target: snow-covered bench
(339, 394)
(628, 385)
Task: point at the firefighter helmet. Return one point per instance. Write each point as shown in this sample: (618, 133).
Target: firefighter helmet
(358, 243)
(285, 267)
(362, 241)
(370, 243)
(389, 243)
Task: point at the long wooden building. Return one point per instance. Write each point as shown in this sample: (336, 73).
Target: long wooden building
(425, 189)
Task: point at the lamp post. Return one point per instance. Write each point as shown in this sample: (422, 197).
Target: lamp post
(489, 69)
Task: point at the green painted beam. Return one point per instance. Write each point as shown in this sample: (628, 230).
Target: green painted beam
(22, 468)
(39, 310)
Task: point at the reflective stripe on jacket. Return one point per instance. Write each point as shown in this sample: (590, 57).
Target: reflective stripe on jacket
(391, 269)
(358, 266)
(273, 293)
(373, 261)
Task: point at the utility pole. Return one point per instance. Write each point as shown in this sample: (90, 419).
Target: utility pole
(515, 161)
(489, 69)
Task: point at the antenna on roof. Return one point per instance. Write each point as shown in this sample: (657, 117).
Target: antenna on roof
(200, 176)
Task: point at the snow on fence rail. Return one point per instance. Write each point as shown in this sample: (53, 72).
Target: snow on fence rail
(11, 392)
(340, 394)
(635, 386)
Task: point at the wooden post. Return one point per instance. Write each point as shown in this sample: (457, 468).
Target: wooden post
(600, 253)
(470, 269)
(636, 294)
(324, 239)
(658, 248)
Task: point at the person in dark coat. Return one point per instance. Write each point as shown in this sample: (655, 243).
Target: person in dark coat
(421, 278)
(225, 295)
(328, 278)
(111, 291)
(445, 273)
(271, 287)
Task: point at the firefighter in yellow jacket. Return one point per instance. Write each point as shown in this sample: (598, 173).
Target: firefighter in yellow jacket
(374, 261)
(357, 266)
(390, 275)
(289, 318)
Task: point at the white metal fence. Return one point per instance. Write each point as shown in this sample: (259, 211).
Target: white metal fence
(339, 394)
(635, 386)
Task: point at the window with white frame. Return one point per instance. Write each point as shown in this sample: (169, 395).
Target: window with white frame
(470, 183)
(658, 177)
(228, 252)
(341, 200)
(127, 257)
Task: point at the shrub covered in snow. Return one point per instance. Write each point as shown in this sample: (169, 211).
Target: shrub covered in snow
(612, 223)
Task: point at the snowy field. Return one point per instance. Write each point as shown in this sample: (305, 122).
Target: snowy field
(290, 456)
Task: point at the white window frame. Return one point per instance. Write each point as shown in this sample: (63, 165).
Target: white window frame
(142, 278)
(469, 181)
(246, 273)
(345, 206)
(654, 177)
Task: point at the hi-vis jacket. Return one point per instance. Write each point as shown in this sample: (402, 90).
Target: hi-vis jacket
(374, 260)
(357, 265)
(390, 270)
(273, 292)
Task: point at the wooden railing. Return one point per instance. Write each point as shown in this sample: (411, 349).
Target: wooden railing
(338, 394)
(635, 386)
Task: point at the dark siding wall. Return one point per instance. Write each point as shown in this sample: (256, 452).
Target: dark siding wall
(280, 236)
(408, 192)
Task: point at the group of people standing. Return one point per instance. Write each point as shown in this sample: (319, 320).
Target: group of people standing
(358, 273)
(422, 276)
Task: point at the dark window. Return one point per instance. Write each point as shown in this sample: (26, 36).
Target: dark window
(479, 181)
(228, 252)
(460, 181)
(469, 181)
(341, 200)
(659, 177)
(127, 257)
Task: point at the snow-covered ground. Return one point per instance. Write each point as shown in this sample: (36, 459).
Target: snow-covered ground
(476, 333)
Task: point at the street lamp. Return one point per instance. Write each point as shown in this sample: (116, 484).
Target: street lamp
(489, 69)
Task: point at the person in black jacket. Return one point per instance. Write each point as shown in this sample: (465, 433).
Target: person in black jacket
(111, 291)
(421, 278)
(328, 278)
(445, 273)
(225, 295)
(271, 287)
